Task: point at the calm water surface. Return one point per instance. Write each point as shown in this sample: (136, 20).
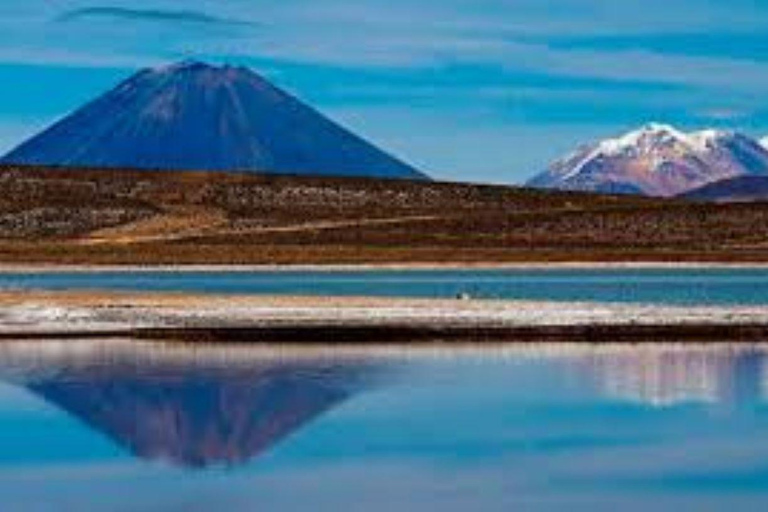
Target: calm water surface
(669, 286)
(122, 426)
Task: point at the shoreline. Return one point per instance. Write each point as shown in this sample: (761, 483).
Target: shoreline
(437, 336)
(373, 267)
(180, 317)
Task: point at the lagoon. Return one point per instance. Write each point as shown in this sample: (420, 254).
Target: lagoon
(682, 286)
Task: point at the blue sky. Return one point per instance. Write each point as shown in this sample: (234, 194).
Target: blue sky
(480, 90)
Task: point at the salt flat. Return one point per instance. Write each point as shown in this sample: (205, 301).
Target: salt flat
(94, 312)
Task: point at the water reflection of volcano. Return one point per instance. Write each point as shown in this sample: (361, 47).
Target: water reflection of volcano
(665, 377)
(198, 416)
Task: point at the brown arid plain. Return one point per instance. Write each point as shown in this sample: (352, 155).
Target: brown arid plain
(73, 216)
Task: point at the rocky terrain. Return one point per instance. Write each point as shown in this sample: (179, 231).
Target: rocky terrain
(89, 216)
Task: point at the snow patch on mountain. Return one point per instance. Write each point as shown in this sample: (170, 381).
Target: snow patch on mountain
(641, 140)
(705, 140)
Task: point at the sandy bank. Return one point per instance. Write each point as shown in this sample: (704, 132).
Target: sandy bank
(6, 268)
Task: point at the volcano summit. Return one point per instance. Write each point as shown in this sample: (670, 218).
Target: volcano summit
(193, 115)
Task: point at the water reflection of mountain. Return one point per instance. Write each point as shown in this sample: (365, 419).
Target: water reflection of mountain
(665, 377)
(197, 416)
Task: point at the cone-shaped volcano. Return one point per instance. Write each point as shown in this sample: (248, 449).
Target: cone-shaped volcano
(196, 116)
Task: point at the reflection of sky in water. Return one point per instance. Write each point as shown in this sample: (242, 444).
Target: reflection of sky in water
(647, 427)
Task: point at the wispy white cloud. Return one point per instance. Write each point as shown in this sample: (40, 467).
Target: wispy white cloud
(396, 34)
(165, 16)
(79, 58)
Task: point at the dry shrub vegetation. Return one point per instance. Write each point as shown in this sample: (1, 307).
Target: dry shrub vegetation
(58, 215)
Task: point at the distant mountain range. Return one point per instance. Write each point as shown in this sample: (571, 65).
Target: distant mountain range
(657, 160)
(741, 189)
(193, 115)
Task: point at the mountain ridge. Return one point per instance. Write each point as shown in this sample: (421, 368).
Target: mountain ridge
(741, 189)
(656, 160)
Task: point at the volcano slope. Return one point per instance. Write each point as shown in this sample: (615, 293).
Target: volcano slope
(92, 216)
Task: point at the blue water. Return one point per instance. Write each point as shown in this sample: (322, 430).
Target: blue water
(155, 429)
(665, 286)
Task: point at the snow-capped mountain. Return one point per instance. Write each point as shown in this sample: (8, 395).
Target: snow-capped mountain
(657, 160)
(193, 115)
